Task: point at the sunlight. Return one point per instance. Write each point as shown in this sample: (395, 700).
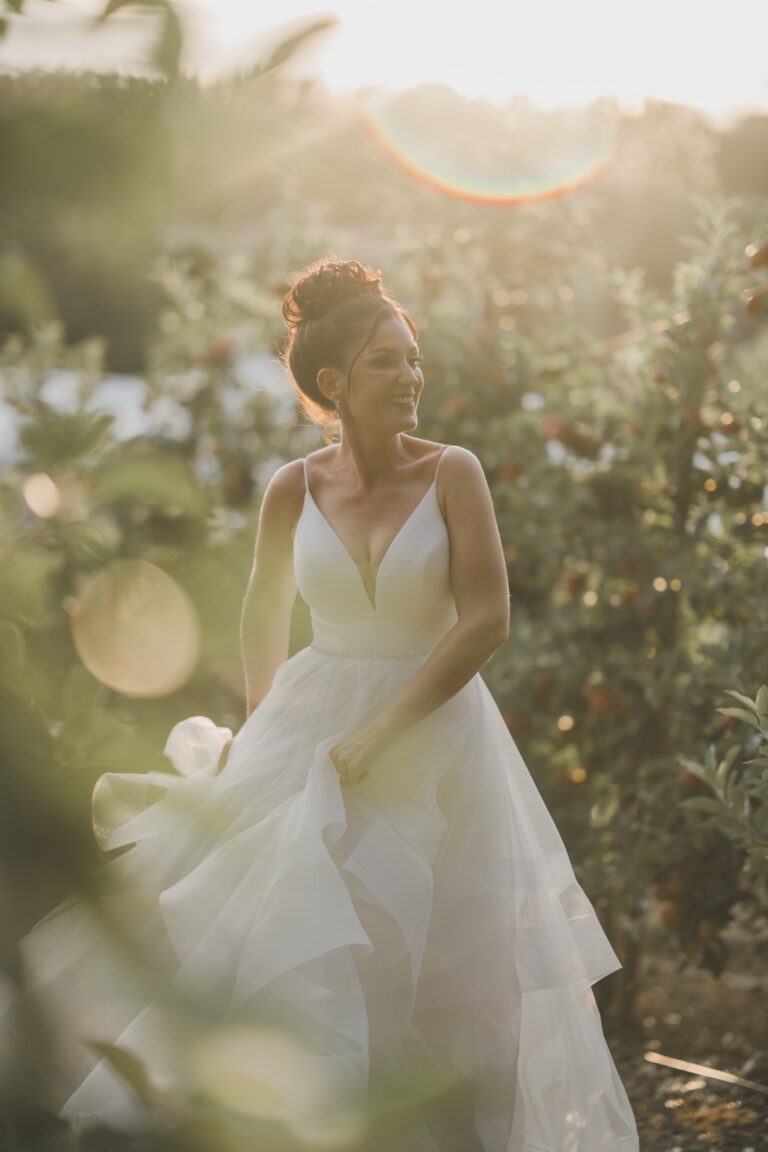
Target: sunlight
(556, 53)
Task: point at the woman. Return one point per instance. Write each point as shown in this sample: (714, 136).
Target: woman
(378, 874)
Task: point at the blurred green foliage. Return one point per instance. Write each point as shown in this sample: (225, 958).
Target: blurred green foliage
(737, 801)
(604, 354)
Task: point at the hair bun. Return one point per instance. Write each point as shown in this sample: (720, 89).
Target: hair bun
(326, 283)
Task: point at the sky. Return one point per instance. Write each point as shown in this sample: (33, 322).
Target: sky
(555, 52)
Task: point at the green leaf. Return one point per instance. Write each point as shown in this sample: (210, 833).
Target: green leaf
(695, 768)
(727, 763)
(735, 794)
(288, 47)
(167, 51)
(762, 701)
(740, 714)
(744, 699)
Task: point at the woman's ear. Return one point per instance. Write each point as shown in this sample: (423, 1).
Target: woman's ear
(328, 383)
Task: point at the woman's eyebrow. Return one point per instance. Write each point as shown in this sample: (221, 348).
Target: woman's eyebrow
(389, 348)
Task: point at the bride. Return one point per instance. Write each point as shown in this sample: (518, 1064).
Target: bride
(364, 488)
(377, 875)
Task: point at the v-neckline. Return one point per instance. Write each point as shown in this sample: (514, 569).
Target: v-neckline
(373, 604)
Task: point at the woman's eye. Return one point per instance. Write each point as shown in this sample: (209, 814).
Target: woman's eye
(384, 363)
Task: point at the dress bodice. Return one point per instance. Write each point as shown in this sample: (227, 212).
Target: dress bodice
(413, 605)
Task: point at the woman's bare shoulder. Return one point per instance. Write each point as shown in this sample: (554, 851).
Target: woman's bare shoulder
(458, 459)
(284, 493)
(287, 478)
(463, 464)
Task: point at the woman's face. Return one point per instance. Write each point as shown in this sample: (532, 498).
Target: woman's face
(388, 367)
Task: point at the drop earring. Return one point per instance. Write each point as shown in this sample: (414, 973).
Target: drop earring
(336, 410)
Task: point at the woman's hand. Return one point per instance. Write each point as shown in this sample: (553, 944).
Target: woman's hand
(353, 755)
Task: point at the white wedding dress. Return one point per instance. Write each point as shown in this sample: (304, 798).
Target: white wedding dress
(427, 916)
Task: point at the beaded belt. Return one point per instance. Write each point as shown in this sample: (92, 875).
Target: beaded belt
(372, 655)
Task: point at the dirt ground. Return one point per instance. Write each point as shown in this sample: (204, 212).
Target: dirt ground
(720, 1022)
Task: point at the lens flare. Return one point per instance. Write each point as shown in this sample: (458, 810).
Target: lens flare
(135, 629)
(463, 150)
(41, 495)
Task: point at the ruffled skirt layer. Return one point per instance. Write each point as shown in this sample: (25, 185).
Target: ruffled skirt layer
(424, 923)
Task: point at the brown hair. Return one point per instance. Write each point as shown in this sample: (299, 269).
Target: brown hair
(333, 305)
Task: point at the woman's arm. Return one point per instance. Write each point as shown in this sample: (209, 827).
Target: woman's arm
(265, 620)
(481, 592)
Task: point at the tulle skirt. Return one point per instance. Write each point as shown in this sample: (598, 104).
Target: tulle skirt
(421, 927)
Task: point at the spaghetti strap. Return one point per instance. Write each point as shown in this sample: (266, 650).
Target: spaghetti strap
(306, 477)
(439, 461)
